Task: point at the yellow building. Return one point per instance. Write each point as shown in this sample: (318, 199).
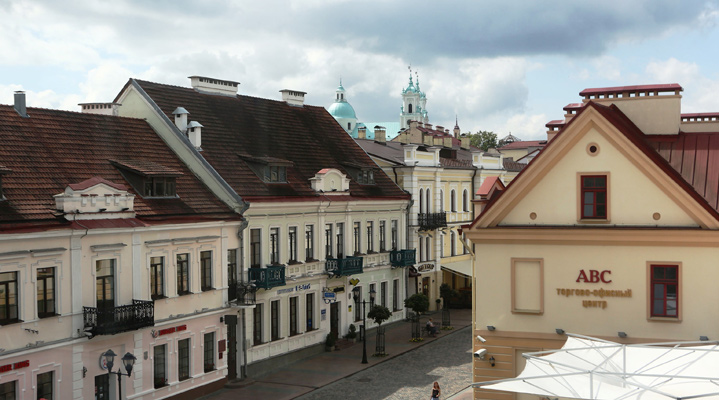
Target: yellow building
(610, 232)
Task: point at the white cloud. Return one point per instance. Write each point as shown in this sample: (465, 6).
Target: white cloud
(526, 127)
(700, 91)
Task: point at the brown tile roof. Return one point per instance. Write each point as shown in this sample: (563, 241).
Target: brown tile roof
(307, 136)
(523, 144)
(146, 167)
(53, 149)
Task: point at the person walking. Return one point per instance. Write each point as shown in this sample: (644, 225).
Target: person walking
(436, 391)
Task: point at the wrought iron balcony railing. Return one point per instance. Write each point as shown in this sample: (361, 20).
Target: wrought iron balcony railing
(269, 277)
(109, 321)
(344, 266)
(431, 221)
(243, 292)
(402, 258)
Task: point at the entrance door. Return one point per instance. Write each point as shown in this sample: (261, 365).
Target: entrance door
(102, 387)
(335, 319)
(425, 286)
(231, 321)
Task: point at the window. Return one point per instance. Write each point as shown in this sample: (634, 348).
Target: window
(349, 126)
(275, 174)
(383, 294)
(183, 359)
(372, 288)
(453, 200)
(594, 197)
(232, 266)
(395, 294)
(409, 108)
(428, 247)
(7, 391)
(45, 293)
(159, 187)
(292, 236)
(428, 194)
(441, 201)
(45, 383)
(206, 270)
(358, 306)
(105, 284)
(157, 273)
(309, 243)
(255, 249)
(357, 234)
(328, 241)
(274, 246)
(394, 234)
(158, 366)
(310, 310)
(209, 351)
(422, 209)
(465, 201)
(294, 329)
(340, 240)
(665, 291)
(257, 324)
(441, 245)
(453, 244)
(275, 320)
(370, 237)
(365, 177)
(183, 274)
(421, 249)
(382, 236)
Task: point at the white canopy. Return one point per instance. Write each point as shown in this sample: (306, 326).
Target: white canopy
(589, 368)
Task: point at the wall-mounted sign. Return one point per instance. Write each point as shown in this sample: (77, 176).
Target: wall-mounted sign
(425, 267)
(595, 276)
(167, 331)
(594, 298)
(14, 366)
(354, 281)
(329, 297)
(296, 288)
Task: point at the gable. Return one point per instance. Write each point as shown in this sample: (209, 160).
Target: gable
(645, 187)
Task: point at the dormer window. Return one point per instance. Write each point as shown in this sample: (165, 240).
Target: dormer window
(363, 174)
(3, 171)
(366, 177)
(275, 174)
(149, 179)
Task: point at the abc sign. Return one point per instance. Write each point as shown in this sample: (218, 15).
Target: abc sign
(595, 276)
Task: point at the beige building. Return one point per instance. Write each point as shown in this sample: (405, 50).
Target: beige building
(610, 232)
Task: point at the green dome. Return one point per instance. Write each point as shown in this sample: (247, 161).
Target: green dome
(342, 109)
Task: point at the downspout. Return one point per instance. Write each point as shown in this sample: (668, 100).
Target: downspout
(243, 326)
(406, 246)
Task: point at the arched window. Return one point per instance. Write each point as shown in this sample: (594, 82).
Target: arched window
(409, 108)
(453, 200)
(429, 202)
(453, 244)
(421, 201)
(465, 200)
(441, 201)
(421, 249)
(441, 245)
(349, 126)
(428, 247)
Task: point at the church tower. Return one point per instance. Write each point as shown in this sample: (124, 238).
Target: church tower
(413, 104)
(343, 112)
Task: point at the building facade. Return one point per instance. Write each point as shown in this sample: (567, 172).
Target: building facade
(107, 242)
(323, 219)
(610, 232)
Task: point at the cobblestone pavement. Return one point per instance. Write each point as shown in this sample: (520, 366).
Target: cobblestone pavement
(447, 360)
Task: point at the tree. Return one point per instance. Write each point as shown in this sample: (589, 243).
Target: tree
(484, 140)
(417, 302)
(379, 314)
(446, 293)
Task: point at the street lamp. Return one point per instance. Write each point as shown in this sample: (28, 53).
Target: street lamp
(128, 360)
(356, 297)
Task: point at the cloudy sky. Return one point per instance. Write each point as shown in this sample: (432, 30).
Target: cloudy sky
(496, 65)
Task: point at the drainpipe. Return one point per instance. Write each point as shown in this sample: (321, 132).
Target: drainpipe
(406, 239)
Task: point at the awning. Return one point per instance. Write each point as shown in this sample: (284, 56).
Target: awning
(461, 268)
(589, 368)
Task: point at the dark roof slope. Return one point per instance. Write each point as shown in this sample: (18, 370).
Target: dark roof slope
(53, 149)
(240, 129)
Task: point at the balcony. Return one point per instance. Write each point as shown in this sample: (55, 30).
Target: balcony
(344, 266)
(109, 321)
(431, 221)
(402, 258)
(269, 277)
(243, 293)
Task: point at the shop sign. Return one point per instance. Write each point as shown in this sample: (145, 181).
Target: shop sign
(425, 267)
(14, 366)
(594, 297)
(297, 288)
(329, 297)
(168, 331)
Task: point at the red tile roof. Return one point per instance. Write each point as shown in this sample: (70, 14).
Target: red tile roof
(88, 183)
(308, 137)
(53, 149)
(523, 144)
(670, 87)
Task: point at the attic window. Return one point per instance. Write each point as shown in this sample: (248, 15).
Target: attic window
(275, 174)
(3, 171)
(149, 179)
(366, 177)
(269, 169)
(159, 187)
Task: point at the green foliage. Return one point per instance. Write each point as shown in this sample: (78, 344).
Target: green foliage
(331, 340)
(352, 333)
(379, 314)
(417, 302)
(446, 292)
(484, 140)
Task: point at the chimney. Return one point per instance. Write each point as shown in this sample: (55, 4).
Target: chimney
(439, 128)
(100, 108)
(194, 133)
(362, 132)
(379, 134)
(181, 118)
(214, 86)
(20, 104)
(465, 141)
(293, 97)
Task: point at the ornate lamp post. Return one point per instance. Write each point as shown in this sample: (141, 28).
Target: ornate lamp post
(356, 297)
(128, 360)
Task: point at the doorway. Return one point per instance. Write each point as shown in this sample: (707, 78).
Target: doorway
(425, 286)
(231, 321)
(102, 387)
(335, 319)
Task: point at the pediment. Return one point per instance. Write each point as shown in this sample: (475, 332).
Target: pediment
(330, 180)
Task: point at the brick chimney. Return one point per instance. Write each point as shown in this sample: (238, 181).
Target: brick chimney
(379, 134)
(362, 132)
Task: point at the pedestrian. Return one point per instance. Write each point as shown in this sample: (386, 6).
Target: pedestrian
(436, 391)
(431, 328)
